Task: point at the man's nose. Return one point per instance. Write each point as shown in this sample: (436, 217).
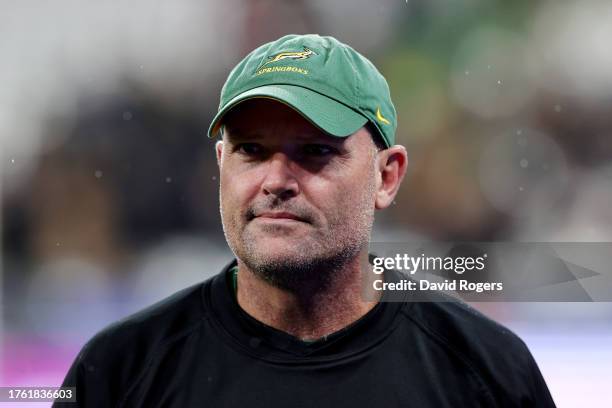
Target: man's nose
(280, 179)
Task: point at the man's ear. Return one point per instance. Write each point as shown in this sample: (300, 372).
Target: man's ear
(392, 165)
(219, 151)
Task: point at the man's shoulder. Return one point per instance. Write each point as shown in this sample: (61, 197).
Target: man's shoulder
(456, 323)
(453, 324)
(491, 351)
(139, 335)
(117, 357)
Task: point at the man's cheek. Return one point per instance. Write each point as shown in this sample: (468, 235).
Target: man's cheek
(229, 194)
(337, 207)
(243, 186)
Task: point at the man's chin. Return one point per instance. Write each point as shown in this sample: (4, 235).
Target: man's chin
(276, 254)
(278, 251)
(281, 240)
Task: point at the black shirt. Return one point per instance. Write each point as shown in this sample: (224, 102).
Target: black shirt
(198, 348)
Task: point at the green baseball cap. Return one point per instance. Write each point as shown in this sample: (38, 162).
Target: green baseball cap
(329, 83)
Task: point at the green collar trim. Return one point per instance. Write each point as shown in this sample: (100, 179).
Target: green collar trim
(234, 272)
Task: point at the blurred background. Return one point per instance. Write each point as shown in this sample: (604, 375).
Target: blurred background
(109, 185)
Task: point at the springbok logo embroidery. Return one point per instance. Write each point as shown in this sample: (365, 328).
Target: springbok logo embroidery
(299, 55)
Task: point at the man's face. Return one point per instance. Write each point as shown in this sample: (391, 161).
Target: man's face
(293, 199)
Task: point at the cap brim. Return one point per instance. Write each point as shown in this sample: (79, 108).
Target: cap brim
(326, 113)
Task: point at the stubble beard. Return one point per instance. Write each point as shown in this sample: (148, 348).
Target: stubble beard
(308, 269)
(313, 264)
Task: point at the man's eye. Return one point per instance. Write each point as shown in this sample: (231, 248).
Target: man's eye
(249, 149)
(318, 150)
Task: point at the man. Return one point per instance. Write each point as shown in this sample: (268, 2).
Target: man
(307, 155)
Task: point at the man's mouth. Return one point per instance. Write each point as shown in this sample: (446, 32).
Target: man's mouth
(280, 216)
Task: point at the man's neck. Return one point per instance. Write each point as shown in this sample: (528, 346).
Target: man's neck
(307, 317)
